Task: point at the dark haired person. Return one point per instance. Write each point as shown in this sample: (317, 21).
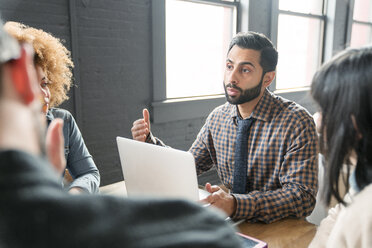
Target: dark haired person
(36, 212)
(343, 89)
(263, 146)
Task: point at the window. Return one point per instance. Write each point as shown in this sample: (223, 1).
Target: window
(196, 47)
(190, 41)
(298, 33)
(361, 27)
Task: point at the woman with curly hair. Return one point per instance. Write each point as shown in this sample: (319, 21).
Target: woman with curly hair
(53, 66)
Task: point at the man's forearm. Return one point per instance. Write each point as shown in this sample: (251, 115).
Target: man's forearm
(270, 206)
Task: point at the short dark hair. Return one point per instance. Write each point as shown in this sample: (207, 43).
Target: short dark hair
(343, 89)
(258, 42)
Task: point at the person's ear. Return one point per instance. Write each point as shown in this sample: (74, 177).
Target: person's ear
(24, 75)
(268, 78)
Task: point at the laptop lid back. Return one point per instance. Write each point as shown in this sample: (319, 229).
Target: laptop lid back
(151, 170)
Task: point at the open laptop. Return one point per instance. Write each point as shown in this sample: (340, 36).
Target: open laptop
(151, 170)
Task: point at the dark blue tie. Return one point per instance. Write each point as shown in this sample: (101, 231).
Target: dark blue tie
(241, 156)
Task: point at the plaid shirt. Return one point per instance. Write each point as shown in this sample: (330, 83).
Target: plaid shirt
(282, 176)
(282, 151)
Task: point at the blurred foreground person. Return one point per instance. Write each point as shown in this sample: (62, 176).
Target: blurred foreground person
(36, 212)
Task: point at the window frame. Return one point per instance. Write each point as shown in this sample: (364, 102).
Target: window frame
(351, 21)
(165, 110)
(299, 95)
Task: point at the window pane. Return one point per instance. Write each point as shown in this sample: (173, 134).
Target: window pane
(299, 47)
(196, 46)
(360, 35)
(363, 10)
(306, 7)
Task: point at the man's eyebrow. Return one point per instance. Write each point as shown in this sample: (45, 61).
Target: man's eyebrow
(247, 63)
(241, 63)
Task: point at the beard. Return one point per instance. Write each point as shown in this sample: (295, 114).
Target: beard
(245, 95)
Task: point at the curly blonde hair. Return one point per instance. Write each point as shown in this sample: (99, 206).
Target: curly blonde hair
(51, 55)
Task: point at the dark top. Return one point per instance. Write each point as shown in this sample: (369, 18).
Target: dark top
(36, 212)
(79, 162)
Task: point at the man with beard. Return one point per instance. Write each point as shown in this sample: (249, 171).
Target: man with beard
(264, 147)
(36, 212)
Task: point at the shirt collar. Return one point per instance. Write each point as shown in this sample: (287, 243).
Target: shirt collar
(261, 111)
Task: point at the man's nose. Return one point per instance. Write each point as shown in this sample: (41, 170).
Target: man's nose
(232, 77)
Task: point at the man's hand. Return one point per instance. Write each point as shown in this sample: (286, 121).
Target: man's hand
(141, 127)
(220, 199)
(55, 145)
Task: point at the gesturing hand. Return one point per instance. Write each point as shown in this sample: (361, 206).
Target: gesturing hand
(141, 127)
